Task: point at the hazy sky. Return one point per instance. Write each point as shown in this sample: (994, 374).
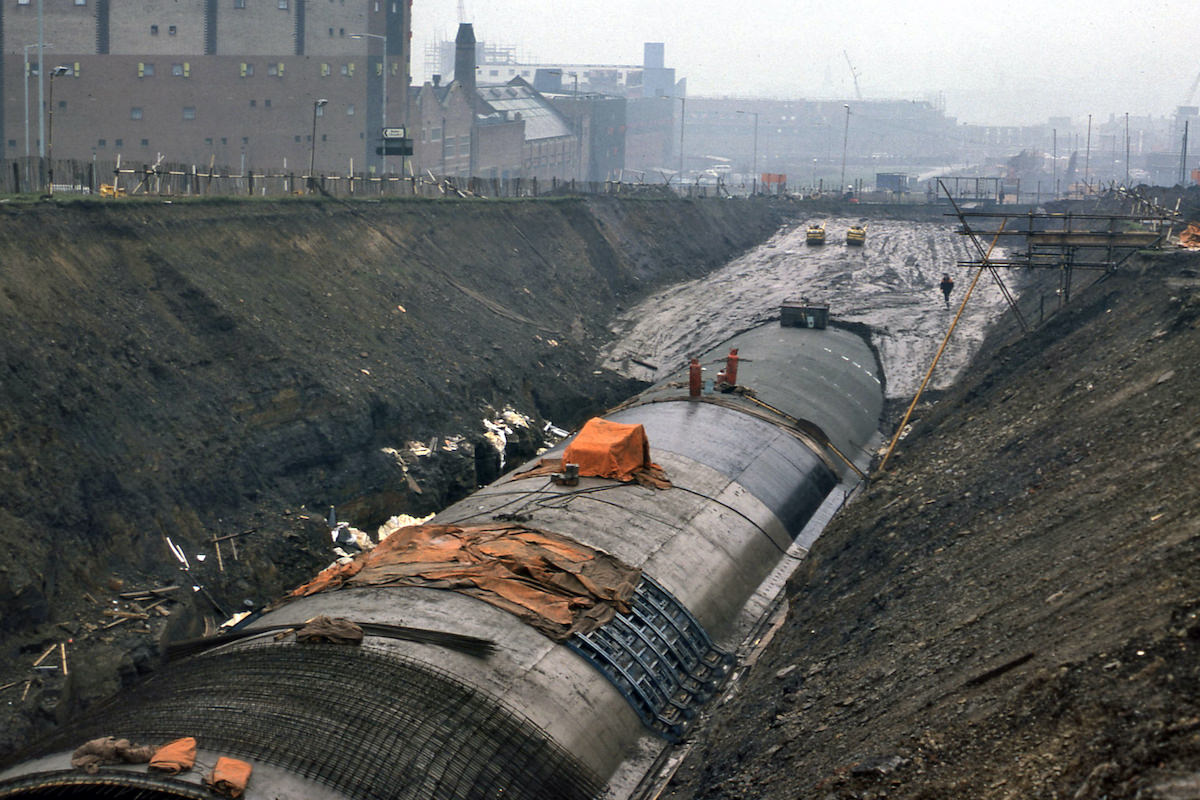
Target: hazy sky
(1012, 62)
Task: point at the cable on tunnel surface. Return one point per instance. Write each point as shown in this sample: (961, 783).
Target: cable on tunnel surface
(586, 492)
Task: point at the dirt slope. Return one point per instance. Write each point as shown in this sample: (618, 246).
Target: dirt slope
(191, 370)
(1013, 609)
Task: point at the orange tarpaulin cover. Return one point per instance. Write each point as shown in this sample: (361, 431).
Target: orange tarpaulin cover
(175, 757)
(604, 449)
(1190, 238)
(229, 777)
(609, 449)
(555, 584)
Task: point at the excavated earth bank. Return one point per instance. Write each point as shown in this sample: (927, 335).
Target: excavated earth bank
(1012, 610)
(232, 369)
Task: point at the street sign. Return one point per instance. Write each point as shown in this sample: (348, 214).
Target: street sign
(392, 133)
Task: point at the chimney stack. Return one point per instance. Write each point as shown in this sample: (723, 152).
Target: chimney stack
(464, 60)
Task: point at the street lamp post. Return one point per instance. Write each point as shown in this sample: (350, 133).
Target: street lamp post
(754, 168)
(845, 141)
(41, 28)
(312, 153)
(682, 123)
(26, 47)
(55, 73)
(383, 86)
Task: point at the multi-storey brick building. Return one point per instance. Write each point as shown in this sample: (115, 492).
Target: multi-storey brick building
(228, 82)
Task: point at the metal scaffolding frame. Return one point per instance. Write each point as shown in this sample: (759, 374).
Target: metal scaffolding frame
(1066, 241)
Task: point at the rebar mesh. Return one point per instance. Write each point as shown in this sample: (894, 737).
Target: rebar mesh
(364, 722)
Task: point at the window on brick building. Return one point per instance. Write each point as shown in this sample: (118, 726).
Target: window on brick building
(135, 113)
(102, 143)
(145, 142)
(283, 4)
(177, 70)
(172, 30)
(154, 30)
(350, 110)
(118, 142)
(239, 3)
(189, 112)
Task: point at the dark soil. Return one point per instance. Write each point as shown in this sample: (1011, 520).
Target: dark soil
(1011, 610)
(216, 369)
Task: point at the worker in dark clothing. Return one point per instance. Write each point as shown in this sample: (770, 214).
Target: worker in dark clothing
(947, 286)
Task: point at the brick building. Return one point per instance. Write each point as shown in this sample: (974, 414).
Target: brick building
(505, 130)
(228, 82)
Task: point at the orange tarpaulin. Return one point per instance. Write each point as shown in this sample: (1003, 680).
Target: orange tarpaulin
(555, 584)
(1190, 238)
(229, 777)
(609, 449)
(175, 757)
(604, 449)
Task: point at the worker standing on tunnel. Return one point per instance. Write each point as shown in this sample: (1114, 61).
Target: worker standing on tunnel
(947, 286)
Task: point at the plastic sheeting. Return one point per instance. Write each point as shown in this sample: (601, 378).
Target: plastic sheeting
(609, 449)
(175, 757)
(93, 754)
(605, 449)
(557, 585)
(229, 777)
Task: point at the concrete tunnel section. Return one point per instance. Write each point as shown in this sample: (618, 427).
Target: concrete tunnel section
(748, 471)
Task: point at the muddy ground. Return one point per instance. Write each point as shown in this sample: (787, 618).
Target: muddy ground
(889, 284)
(1012, 609)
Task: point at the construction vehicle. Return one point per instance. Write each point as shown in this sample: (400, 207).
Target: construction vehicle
(857, 234)
(816, 234)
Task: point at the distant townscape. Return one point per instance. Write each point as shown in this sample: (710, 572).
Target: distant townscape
(298, 89)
